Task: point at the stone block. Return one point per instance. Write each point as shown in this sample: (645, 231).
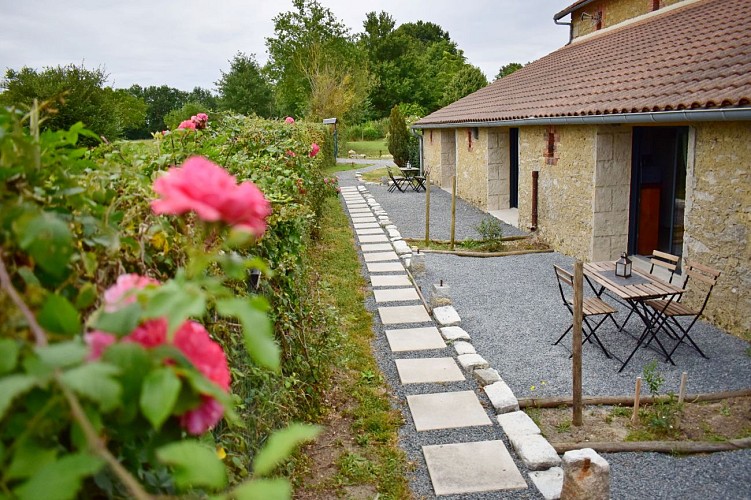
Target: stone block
(446, 316)
(603, 199)
(417, 264)
(462, 347)
(486, 376)
(440, 295)
(454, 333)
(585, 475)
(401, 247)
(535, 451)
(501, 396)
(548, 482)
(517, 424)
(471, 362)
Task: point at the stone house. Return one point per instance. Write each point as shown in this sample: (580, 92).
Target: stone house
(637, 135)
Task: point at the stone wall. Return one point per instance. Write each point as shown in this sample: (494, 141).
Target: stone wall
(565, 188)
(718, 218)
(612, 192)
(448, 158)
(431, 150)
(613, 12)
(472, 166)
(498, 168)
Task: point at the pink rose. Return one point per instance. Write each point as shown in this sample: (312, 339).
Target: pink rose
(98, 342)
(203, 418)
(290, 153)
(205, 188)
(200, 120)
(206, 355)
(289, 120)
(314, 149)
(122, 292)
(149, 334)
(187, 124)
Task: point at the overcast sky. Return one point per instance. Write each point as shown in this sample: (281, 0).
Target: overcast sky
(187, 43)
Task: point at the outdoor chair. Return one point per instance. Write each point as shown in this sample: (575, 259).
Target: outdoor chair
(418, 183)
(397, 182)
(663, 261)
(667, 311)
(591, 306)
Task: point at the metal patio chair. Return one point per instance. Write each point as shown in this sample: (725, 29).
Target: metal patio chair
(397, 182)
(661, 260)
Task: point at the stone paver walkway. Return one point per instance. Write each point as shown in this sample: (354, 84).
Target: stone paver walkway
(449, 363)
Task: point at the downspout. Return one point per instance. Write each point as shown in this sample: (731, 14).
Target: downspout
(570, 28)
(413, 131)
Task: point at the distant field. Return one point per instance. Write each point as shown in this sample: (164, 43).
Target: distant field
(371, 149)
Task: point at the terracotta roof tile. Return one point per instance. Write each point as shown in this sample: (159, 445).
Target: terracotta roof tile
(694, 56)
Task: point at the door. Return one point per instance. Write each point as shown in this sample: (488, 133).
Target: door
(658, 189)
(513, 141)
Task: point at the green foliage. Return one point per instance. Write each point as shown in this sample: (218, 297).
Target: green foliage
(467, 80)
(661, 417)
(176, 116)
(245, 89)
(490, 229)
(507, 69)
(398, 138)
(161, 101)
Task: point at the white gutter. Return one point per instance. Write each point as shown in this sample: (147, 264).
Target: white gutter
(682, 116)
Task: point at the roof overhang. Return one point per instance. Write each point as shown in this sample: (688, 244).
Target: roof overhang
(681, 116)
(568, 10)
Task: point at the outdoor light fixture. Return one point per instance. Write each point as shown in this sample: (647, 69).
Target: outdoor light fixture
(623, 266)
(255, 280)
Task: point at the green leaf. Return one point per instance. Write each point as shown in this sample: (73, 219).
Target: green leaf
(280, 446)
(60, 480)
(177, 302)
(95, 381)
(28, 459)
(120, 322)
(257, 331)
(8, 355)
(49, 241)
(86, 296)
(11, 387)
(263, 489)
(194, 465)
(59, 316)
(159, 394)
(63, 354)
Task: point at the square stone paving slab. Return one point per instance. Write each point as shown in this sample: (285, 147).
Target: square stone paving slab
(390, 280)
(414, 339)
(380, 256)
(447, 410)
(376, 247)
(384, 267)
(366, 225)
(364, 232)
(358, 210)
(374, 238)
(396, 295)
(403, 314)
(359, 220)
(428, 370)
(461, 468)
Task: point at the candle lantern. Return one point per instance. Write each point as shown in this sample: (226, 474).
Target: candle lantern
(623, 266)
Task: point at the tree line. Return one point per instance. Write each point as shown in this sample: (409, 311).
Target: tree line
(317, 68)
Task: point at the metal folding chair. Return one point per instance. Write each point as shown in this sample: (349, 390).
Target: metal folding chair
(666, 261)
(668, 311)
(591, 306)
(397, 182)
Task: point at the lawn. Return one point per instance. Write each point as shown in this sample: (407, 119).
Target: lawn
(371, 149)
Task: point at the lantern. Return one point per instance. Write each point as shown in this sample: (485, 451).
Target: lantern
(623, 266)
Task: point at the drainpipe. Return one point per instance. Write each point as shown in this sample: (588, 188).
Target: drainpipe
(413, 131)
(535, 176)
(570, 28)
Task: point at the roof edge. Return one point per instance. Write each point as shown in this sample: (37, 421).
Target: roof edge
(682, 116)
(568, 10)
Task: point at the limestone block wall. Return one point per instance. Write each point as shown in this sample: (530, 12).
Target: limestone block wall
(718, 218)
(498, 168)
(431, 150)
(566, 185)
(472, 166)
(613, 12)
(612, 192)
(448, 158)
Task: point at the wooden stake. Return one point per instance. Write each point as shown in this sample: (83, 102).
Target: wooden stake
(637, 395)
(682, 390)
(577, 343)
(453, 212)
(427, 208)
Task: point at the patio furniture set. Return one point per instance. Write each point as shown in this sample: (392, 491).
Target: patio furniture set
(657, 302)
(410, 178)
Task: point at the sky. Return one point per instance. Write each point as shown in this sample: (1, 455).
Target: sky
(188, 43)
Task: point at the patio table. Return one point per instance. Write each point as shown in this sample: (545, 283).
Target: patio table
(411, 173)
(634, 291)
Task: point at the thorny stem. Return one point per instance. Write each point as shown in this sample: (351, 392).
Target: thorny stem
(5, 283)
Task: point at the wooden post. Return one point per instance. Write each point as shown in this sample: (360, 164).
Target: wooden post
(427, 208)
(535, 177)
(682, 389)
(453, 211)
(577, 342)
(637, 395)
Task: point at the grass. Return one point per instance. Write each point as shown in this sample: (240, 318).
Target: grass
(367, 455)
(371, 149)
(341, 167)
(374, 175)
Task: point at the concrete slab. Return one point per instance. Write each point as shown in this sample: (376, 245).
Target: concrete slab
(363, 232)
(454, 333)
(403, 314)
(373, 238)
(414, 339)
(548, 482)
(447, 410)
(359, 211)
(376, 247)
(428, 370)
(535, 451)
(398, 295)
(379, 256)
(384, 267)
(381, 280)
(446, 316)
(365, 225)
(462, 468)
(360, 220)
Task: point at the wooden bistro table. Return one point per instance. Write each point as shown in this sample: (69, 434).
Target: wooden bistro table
(635, 290)
(411, 174)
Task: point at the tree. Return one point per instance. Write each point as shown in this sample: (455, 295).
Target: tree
(159, 101)
(245, 89)
(130, 111)
(507, 69)
(398, 137)
(204, 97)
(469, 79)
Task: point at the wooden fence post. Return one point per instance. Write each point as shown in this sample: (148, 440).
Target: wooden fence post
(576, 348)
(427, 208)
(637, 395)
(453, 211)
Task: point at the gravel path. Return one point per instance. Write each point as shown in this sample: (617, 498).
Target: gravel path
(511, 308)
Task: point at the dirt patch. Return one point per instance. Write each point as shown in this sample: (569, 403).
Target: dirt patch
(707, 421)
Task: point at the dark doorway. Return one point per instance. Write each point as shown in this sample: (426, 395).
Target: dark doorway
(658, 189)
(513, 141)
